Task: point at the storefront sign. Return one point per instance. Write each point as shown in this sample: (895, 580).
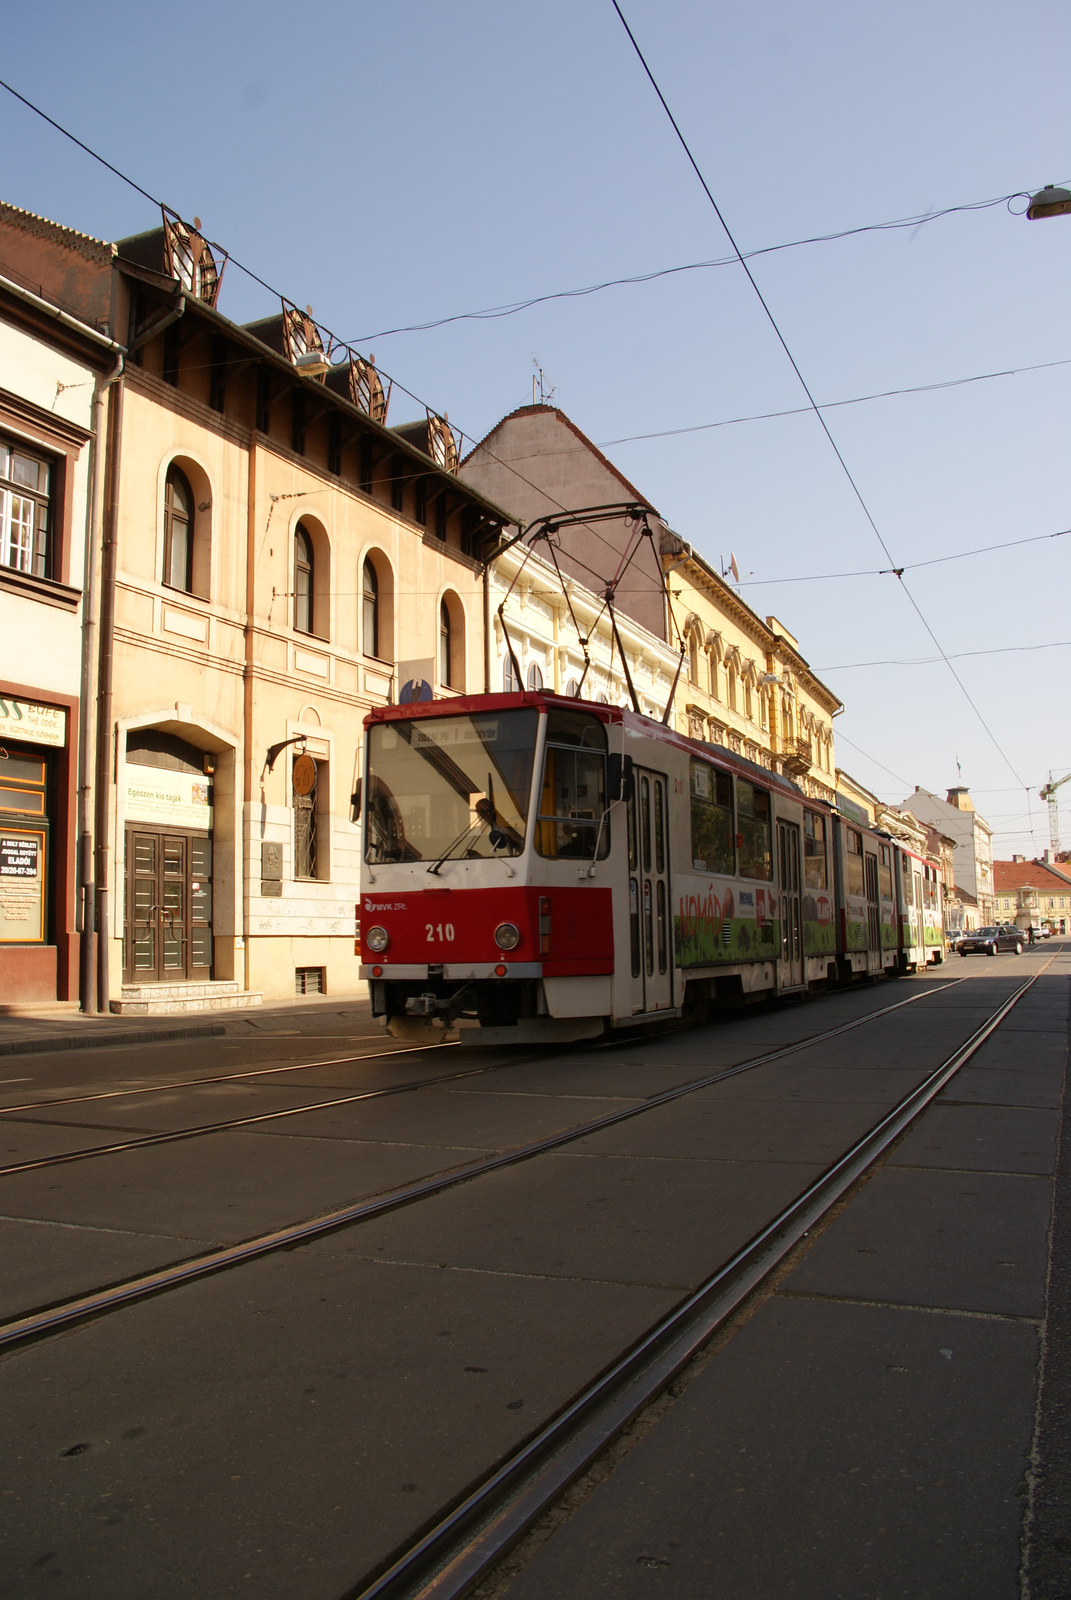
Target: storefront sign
(33, 724)
(170, 799)
(22, 885)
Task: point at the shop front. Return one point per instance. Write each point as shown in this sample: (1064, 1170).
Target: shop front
(38, 954)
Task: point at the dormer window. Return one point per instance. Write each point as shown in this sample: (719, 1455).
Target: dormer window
(302, 343)
(442, 446)
(190, 259)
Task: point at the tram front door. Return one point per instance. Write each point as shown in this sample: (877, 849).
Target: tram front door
(650, 924)
(790, 966)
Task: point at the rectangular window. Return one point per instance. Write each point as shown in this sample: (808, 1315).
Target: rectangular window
(815, 868)
(334, 444)
(753, 831)
(712, 819)
(853, 851)
(309, 980)
(365, 460)
(420, 501)
(909, 893)
(297, 421)
(885, 872)
(25, 487)
(217, 381)
(305, 852)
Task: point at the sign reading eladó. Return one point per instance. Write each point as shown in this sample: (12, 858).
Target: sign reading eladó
(169, 799)
(34, 724)
(22, 886)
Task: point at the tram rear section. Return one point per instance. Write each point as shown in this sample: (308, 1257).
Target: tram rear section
(539, 870)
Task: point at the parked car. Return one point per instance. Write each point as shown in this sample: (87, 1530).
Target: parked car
(987, 941)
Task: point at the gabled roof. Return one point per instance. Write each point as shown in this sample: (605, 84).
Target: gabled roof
(1011, 875)
(553, 411)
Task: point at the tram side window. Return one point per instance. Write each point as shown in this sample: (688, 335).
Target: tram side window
(712, 819)
(885, 872)
(853, 859)
(906, 880)
(815, 866)
(753, 831)
(929, 889)
(574, 820)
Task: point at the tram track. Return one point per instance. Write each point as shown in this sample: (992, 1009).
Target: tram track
(475, 1533)
(42, 1321)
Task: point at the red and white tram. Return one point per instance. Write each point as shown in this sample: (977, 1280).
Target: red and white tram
(537, 869)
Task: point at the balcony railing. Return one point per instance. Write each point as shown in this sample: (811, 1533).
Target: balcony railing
(796, 757)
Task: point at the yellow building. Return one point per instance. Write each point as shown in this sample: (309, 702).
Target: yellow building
(745, 683)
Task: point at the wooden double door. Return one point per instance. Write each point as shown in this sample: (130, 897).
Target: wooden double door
(168, 907)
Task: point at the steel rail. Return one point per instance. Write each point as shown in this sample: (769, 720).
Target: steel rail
(48, 1319)
(223, 1077)
(447, 1562)
(174, 1136)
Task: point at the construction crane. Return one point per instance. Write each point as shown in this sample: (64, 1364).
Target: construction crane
(1049, 794)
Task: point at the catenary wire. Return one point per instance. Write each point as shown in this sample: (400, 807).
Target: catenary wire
(512, 307)
(803, 383)
(830, 405)
(928, 661)
(910, 566)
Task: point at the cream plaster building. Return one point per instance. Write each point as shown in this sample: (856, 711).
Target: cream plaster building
(274, 561)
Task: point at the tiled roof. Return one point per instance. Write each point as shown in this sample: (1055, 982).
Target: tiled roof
(43, 227)
(553, 411)
(1011, 875)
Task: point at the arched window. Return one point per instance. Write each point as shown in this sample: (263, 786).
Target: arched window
(370, 610)
(511, 683)
(572, 689)
(303, 576)
(178, 531)
(693, 658)
(714, 675)
(445, 665)
(535, 677)
(730, 682)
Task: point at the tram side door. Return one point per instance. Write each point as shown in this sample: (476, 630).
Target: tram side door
(920, 922)
(873, 907)
(790, 967)
(650, 925)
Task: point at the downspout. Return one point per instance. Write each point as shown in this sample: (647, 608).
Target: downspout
(105, 695)
(486, 628)
(247, 701)
(87, 694)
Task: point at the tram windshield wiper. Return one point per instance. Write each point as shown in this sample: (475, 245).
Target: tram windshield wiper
(501, 834)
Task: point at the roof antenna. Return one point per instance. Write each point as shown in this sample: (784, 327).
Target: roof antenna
(547, 391)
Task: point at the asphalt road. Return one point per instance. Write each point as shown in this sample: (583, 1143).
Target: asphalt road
(285, 1427)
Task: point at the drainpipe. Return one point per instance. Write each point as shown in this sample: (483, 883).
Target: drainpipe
(244, 851)
(486, 629)
(105, 734)
(87, 693)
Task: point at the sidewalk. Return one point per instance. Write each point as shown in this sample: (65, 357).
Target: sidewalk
(56, 1028)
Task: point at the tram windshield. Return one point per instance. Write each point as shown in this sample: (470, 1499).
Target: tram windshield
(442, 787)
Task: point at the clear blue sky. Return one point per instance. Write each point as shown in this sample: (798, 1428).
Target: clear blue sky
(391, 164)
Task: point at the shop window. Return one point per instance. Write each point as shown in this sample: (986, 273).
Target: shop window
(370, 610)
(753, 831)
(179, 524)
(303, 580)
(815, 867)
(25, 488)
(712, 819)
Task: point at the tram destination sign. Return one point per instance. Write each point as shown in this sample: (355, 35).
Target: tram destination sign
(32, 723)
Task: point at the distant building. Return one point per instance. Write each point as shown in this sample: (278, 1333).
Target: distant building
(1032, 894)
(956, 817)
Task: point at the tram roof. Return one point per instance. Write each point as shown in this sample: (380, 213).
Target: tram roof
(542, 700)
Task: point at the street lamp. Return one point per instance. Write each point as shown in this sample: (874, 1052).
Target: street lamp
(1049, 202)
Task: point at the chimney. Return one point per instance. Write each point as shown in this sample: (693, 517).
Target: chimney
(960, 798)
(1019, 859)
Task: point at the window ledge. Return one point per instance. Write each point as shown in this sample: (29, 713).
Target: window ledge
(47, 590)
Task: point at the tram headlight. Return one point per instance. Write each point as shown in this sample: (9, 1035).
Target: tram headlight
(376, 939)
(507, 936)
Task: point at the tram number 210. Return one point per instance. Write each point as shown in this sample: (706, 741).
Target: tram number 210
(439, 931)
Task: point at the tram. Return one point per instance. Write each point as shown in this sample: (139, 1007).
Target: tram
(538, 869)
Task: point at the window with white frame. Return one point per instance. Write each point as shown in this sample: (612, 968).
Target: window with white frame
(25, 487)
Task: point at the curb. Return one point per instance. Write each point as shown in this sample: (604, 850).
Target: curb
(89, 1041)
